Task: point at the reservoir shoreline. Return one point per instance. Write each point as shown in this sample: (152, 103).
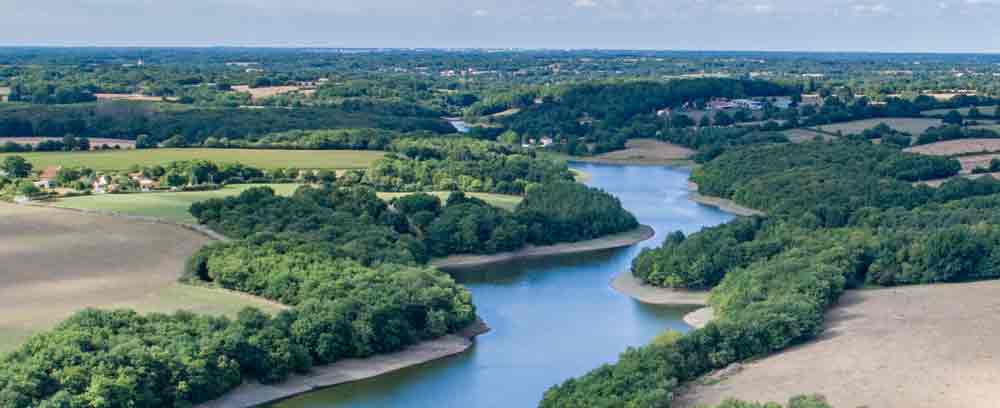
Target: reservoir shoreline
(254, 394)
(629, 238)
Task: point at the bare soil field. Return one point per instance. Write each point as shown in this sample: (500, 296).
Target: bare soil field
(268, 91)
(970, 163)
(915, 347)
(646, 151)
(94, 142)
(957, 147)
(913, 126)
(56, 262)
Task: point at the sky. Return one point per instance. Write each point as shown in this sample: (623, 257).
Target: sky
(765, 25)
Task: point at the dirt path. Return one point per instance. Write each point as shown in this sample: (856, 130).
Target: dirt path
(923, 346)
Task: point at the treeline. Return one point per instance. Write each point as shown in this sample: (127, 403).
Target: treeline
(191, 126)
(953, 132)
(447, 164)
(709, 142)
(68, 143)
(44, 92)
(828, 228)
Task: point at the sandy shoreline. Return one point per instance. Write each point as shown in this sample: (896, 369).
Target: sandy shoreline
(628, 285)
(624, 239)
(253, 394)
(699, 318)
(721, 203)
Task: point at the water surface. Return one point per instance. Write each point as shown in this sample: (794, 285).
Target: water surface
(552, 318)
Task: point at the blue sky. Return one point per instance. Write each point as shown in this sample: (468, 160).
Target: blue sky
(818, 25)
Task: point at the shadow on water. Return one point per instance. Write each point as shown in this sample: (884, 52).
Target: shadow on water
(551, 318)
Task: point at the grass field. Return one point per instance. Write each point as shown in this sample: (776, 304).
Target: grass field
(265, 159)
(913, 126)
(804, 135)
(169, 206)
(174, 206)
(57, 262)
(507, 202)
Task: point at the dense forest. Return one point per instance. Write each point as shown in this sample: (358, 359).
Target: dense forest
(839, 216)
(352, 222)
(423, 164)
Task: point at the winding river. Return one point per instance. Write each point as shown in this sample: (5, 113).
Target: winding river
(551, 319)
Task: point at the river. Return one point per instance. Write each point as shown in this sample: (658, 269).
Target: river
(551, 319)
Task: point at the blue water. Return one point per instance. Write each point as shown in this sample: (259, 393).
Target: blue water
(551, 319)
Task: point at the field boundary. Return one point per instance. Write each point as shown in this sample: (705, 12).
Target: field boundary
(198, 228)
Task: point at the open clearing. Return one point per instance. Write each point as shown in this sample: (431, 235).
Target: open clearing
(268, 91)
(957, 147)
(505, 201)
(922, 346)
(261, 158)
(128, 97)
(56, 262)
(913, 126)
(174, 206)
(986, 111)
(94, 142)
(169, 206)
(648, 150)
(970, 163)
(804, 135)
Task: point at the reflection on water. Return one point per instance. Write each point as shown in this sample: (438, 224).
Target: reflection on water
(552, 318)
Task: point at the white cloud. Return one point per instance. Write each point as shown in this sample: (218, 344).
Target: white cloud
(584, 3)
(481, 13)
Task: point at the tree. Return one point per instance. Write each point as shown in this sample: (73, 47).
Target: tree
(723, 119)
(952, 118)
(144, 142)
(509, 137)
(16, 166)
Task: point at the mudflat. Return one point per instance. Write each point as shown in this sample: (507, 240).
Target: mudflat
(921, 346)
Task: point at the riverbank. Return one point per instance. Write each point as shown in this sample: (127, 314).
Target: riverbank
(910, 346)
(646, 152)
(721, 203)
(253, 394)
(642, 233)
(628, 285)
(699, 318)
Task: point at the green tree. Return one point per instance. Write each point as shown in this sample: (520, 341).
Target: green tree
(952, 118)
(16, 166)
